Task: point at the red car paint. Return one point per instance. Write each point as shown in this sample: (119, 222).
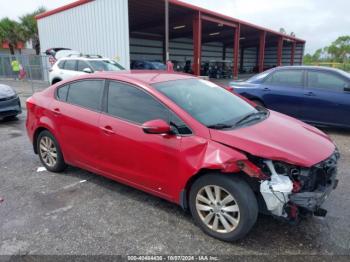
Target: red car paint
(163, 165)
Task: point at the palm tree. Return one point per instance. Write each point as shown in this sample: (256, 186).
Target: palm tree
(11, 32)
(30, 28)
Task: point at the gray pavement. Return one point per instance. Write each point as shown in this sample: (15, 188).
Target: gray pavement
(84, 214)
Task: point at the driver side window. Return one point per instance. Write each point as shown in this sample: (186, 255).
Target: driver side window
(134, 105)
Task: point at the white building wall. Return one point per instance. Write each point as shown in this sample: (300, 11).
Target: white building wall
(99, 27)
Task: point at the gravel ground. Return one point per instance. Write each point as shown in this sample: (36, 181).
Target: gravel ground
(84, 214)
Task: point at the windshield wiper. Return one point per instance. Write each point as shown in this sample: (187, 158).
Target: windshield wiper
(220, 126)
(250, 117)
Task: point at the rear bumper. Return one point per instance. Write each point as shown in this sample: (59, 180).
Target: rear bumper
(10, 107)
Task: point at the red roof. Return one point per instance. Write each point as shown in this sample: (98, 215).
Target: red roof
(62, 8)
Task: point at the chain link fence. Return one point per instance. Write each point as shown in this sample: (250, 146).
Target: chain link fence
(34, 69)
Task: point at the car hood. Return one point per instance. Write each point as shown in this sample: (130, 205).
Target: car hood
(6, 91)
(280, 138)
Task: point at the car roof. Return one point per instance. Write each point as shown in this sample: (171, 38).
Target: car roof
(308, 67)
(84, 58)
(144, 76)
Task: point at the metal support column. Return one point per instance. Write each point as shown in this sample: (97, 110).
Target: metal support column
(197, 43)
(279, 51)
(262, 44)
(236, 51)
(292, 54)
(166, 38)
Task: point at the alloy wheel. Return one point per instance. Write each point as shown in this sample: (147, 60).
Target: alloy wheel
(48, 151)
(217, 209)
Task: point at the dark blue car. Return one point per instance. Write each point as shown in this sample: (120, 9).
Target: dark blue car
(317, 95)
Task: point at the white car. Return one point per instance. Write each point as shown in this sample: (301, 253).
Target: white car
(75, 65)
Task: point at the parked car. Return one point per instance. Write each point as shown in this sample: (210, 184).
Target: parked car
(10, 105)
(188, 141)
(317, 95)
(60, 52)
(147, 65)
(75, 65)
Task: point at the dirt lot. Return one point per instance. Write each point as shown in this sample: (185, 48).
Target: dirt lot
(81, 213)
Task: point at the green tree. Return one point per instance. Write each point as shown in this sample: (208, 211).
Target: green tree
(30, 28)
(12, 32)
(307, 59)
(340, 49)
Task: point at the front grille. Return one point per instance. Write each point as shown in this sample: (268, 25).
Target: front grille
(324, 173)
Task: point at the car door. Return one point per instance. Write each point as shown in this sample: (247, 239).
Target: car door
(326, 100)
(282, 91)
(81, 66)
(76, 111)
(129, 154)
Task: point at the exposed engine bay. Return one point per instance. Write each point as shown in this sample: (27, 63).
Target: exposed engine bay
(291, 190)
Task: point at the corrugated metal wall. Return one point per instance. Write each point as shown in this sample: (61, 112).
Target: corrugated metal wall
(99, 27)
(181, 49)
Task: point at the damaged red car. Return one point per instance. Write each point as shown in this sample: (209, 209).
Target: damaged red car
(189, 141)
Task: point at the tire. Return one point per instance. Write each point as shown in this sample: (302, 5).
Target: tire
(243, 199)
(50, 153)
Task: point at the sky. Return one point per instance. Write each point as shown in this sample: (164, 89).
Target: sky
(319, 22)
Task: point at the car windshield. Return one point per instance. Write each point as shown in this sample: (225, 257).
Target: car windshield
(105, 65)
(259, 77)
(206, 102)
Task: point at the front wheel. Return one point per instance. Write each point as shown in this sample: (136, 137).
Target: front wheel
(224, 206)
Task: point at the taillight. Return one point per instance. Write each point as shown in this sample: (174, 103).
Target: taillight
(30, 104)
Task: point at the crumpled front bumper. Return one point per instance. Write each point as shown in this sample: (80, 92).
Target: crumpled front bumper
(312, 200)
(327, 171)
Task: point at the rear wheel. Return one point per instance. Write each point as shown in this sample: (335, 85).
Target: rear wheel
(50, 152)
(224, 207)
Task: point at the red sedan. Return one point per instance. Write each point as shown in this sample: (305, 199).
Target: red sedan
(186, 140)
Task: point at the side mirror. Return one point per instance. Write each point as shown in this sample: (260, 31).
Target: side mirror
(157, 126)
(347, 88)
(87, 70)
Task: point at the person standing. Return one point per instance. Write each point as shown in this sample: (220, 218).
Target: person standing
(15, 68)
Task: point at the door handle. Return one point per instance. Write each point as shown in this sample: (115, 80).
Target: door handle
(310, 94)
(266, 89)
(108, 130)
(56, 112)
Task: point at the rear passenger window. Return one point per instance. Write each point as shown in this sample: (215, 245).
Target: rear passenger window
(60, 65)
(70, 65)
(87, 94)
(62, 93)
(293, 78)
(325, 80)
